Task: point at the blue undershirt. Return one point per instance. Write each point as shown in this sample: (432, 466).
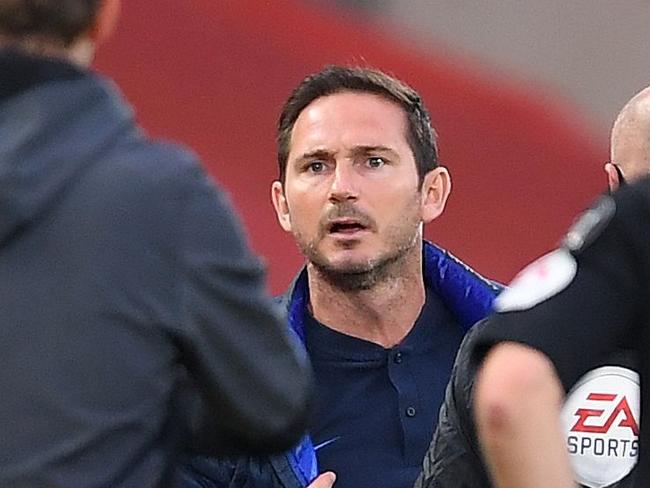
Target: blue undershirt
(377, 408)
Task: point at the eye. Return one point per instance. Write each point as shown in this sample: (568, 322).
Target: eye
(376, 162)
(316, 167)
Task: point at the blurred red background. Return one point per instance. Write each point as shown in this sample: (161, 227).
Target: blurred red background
(214, 74)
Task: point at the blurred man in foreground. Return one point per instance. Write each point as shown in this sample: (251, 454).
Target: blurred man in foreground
(601, 457)
(381, 312)
(128, 292)
(569, 310)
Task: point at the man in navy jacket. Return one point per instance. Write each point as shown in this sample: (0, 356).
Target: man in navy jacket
(133, 313)
(380, 311)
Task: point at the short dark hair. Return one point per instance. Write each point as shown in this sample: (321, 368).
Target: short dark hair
(335, 79)
(58, 21)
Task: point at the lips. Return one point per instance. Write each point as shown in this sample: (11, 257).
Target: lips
(345, 226)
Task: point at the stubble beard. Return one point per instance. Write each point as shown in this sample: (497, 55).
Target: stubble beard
(360, 276)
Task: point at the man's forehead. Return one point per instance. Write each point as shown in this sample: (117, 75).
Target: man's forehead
(350, 119)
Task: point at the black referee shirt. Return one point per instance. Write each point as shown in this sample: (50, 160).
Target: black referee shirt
(601, 306)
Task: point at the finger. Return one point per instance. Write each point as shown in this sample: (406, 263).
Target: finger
(325, 480)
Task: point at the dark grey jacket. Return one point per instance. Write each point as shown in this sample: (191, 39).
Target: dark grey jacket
(128, 296)
(454, 459)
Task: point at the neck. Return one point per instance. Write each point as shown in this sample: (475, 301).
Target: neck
(383, 314)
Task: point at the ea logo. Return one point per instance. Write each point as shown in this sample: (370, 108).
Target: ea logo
(601, 420)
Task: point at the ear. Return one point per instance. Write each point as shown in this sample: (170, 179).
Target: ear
(280, 205)
(105, 21)
(435, 191)
(612, 177)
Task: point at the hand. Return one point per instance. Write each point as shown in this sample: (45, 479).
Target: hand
(325, 480)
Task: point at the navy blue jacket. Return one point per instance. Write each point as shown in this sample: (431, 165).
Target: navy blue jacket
(128, 296)
(467, 295)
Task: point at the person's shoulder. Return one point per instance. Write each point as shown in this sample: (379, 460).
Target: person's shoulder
(465, 368)
(283, 300)
(472, 336)
(156, 171)
(157, 161)
(623, 214)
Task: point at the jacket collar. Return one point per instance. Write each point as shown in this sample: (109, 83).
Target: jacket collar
(466, 293)
(19, 72)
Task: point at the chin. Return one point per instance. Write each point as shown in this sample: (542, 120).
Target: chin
(342, 264)
(350, 261)
(350, 267)
(351, 274)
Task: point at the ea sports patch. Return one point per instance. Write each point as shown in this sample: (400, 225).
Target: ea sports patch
(601, 421)
(590, 224)
(538, 282)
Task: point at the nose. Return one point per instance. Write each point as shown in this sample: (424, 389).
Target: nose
(343, 184)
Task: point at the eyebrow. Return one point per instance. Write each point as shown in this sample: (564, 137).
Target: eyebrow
(363, 150)
(356, 151)
(315, 154)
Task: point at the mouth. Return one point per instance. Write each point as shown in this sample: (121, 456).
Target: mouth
(345, 227)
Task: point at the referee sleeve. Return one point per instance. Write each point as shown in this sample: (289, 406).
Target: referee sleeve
(575, 305)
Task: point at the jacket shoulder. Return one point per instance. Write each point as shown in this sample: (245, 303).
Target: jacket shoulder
(155, 161)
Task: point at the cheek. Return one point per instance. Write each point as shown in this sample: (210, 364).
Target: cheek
(304, 213)
(400, 208)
